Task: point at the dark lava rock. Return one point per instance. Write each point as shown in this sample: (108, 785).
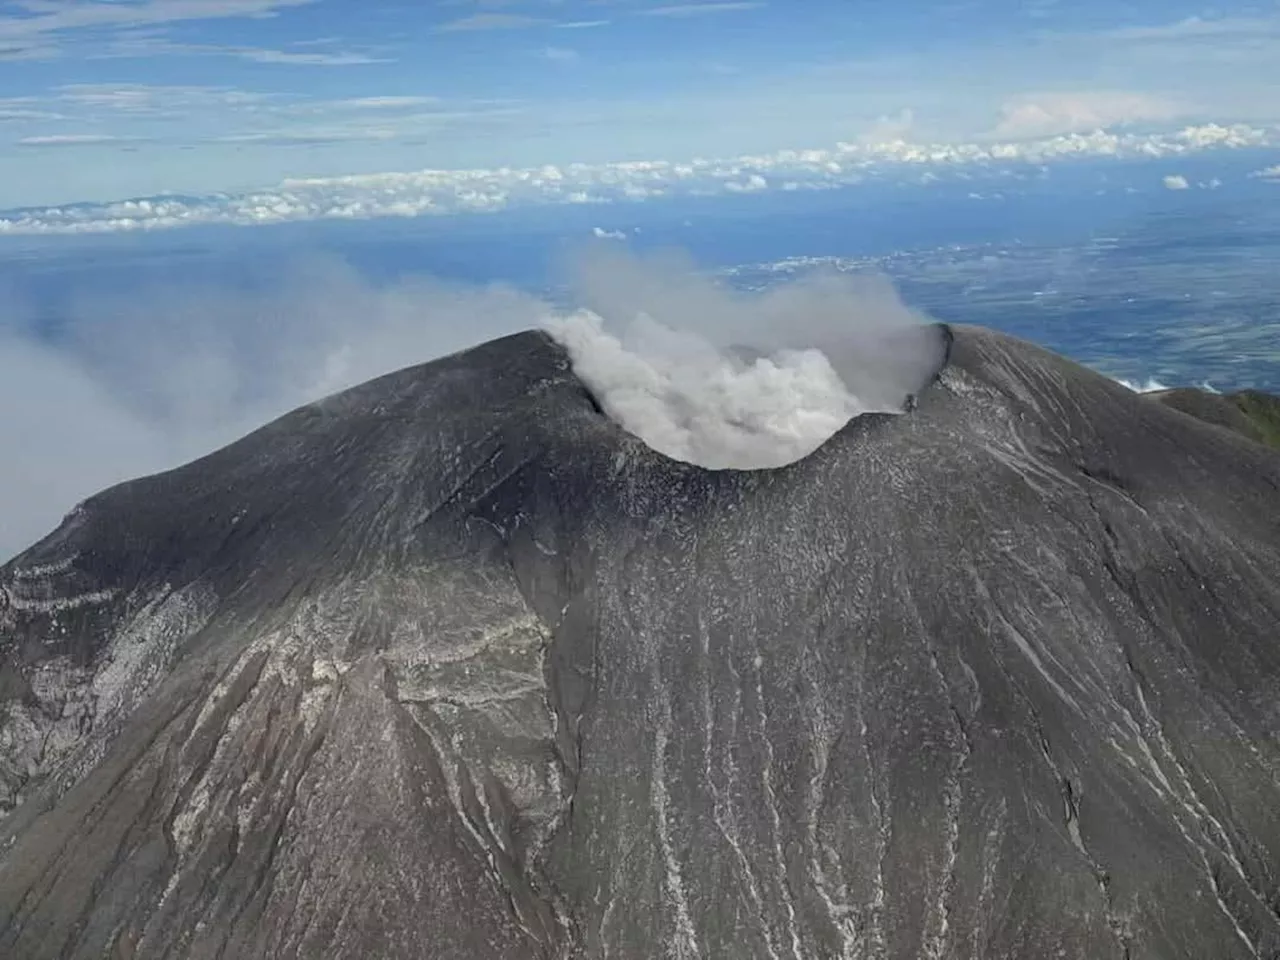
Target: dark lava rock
(450, 666)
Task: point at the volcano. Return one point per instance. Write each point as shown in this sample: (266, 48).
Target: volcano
(450, 665)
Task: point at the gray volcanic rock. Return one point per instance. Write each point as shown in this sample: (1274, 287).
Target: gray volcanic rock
(450, 666)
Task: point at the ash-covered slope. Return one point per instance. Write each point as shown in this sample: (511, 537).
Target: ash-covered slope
(450, 666)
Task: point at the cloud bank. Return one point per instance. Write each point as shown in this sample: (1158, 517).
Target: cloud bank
(142, 381)
(443, 192)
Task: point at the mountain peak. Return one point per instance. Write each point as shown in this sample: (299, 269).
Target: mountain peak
(450, 663)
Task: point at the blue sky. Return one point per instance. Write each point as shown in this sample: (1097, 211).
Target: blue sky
(110, 99)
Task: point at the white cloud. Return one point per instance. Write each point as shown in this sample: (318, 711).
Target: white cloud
(308, 53)
(73, 140)
(600, 233)
(1047, 114)
(307, 58)
(491, 21)
(558, 54)
(1267, 173)
(753, 184)
(1176, 182)
(582, 24)
(23, 113)
(43, 24)
(381, 103)
(433, 192)
(155, 99)
(888, 129)
(319, 135)
(680, 10)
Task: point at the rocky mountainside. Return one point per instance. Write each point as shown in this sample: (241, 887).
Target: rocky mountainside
(450, 666)
(1251, 413)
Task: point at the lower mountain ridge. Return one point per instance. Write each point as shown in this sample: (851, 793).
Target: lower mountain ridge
(451, 666)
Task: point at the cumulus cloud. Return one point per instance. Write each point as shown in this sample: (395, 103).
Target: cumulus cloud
(724, 379)
(1267, 173)
(142, 381)
(890, 129)
(442, 192)
(1176, 182)
(1047, 114)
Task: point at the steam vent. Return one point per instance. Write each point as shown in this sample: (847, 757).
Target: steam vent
(452, 666)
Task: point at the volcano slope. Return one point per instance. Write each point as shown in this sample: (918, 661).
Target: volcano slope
(451, 666)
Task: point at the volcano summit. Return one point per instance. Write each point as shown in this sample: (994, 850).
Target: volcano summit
(449, 665)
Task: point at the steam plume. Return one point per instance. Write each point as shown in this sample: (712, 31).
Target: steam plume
(143, 381)
(726, 379)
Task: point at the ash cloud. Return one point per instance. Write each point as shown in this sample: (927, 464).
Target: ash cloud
(144, 381)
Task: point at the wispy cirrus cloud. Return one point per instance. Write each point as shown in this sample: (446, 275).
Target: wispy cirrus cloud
(1196, 28)
(140, 99)
(34, 29)
(12, 114)
(299, 53)
(300, 58)
(313, 137)
(74, 140)
(679, 10)
(478, 22)
(231, 115)
(377, 103)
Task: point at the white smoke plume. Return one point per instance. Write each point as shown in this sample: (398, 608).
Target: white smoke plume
(691, 402)
(143, 381)
(721, 378)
